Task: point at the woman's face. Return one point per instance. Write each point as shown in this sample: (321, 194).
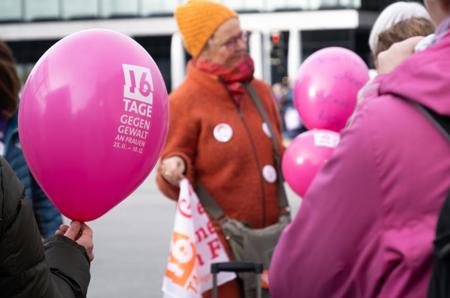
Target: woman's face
(439, 10)
(228, 45)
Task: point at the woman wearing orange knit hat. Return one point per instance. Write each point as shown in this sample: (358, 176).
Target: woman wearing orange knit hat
(217, 137)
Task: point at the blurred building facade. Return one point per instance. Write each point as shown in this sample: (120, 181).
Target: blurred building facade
(283, 32)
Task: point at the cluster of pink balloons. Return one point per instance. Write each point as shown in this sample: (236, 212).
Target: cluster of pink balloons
(325, 95)
(92, 121)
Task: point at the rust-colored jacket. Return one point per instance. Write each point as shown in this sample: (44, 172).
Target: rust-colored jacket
(231, 171)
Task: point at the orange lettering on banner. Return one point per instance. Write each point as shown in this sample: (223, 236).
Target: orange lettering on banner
(181, 260)
(193, 284)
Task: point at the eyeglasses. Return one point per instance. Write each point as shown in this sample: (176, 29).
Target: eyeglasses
(232, 42)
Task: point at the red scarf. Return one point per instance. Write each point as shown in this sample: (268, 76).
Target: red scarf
(234, 77)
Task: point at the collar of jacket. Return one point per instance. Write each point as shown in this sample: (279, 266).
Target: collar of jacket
(207, 81)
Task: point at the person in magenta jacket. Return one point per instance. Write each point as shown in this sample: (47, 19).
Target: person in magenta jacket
(366, 225)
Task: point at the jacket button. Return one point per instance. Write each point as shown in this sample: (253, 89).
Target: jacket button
(269, 173)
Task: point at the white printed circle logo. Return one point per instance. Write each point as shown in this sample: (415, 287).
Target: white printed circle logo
(182, 250)
(223, 132)
(269, 173)
(266, 129)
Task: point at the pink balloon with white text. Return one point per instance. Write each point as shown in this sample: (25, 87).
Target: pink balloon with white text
(304, 157)
(92, 121)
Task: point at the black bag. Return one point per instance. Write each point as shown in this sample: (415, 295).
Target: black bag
(439, 286)
(247, 244)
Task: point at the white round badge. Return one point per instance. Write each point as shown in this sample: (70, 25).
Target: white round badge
(269, 173)
(266, 129)
(223, 132)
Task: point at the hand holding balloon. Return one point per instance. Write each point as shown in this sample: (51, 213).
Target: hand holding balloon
(81, 233)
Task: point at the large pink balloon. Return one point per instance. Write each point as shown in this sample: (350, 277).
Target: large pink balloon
(305, 156)
(326, 87)
(92, 121)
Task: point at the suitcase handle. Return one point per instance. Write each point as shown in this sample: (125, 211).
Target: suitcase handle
(237, 267)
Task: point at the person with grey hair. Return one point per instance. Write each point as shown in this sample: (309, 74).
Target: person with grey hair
(394, 14)
(397, 22)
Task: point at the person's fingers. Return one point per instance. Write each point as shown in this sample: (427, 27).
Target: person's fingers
(74, 230)
(411, 42)
(175, 178)
(389, 59)
(86, 231)
(172, 169)
(165, 167)
(406, 47)
(86, 240)
(172, 179)
(181, 167)
(62, 230)
(168, 175)
(170, 165)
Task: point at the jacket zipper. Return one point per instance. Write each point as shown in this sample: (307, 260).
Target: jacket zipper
(258, 165)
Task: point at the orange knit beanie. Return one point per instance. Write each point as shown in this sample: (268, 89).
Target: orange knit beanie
(198, 20)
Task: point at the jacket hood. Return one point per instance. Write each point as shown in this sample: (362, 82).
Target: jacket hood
(424, 78)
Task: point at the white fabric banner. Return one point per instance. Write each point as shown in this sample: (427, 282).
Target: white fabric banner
(195, 245)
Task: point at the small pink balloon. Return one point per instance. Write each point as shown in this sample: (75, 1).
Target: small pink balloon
(92, 121)
(326, 87)
(305, 156)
